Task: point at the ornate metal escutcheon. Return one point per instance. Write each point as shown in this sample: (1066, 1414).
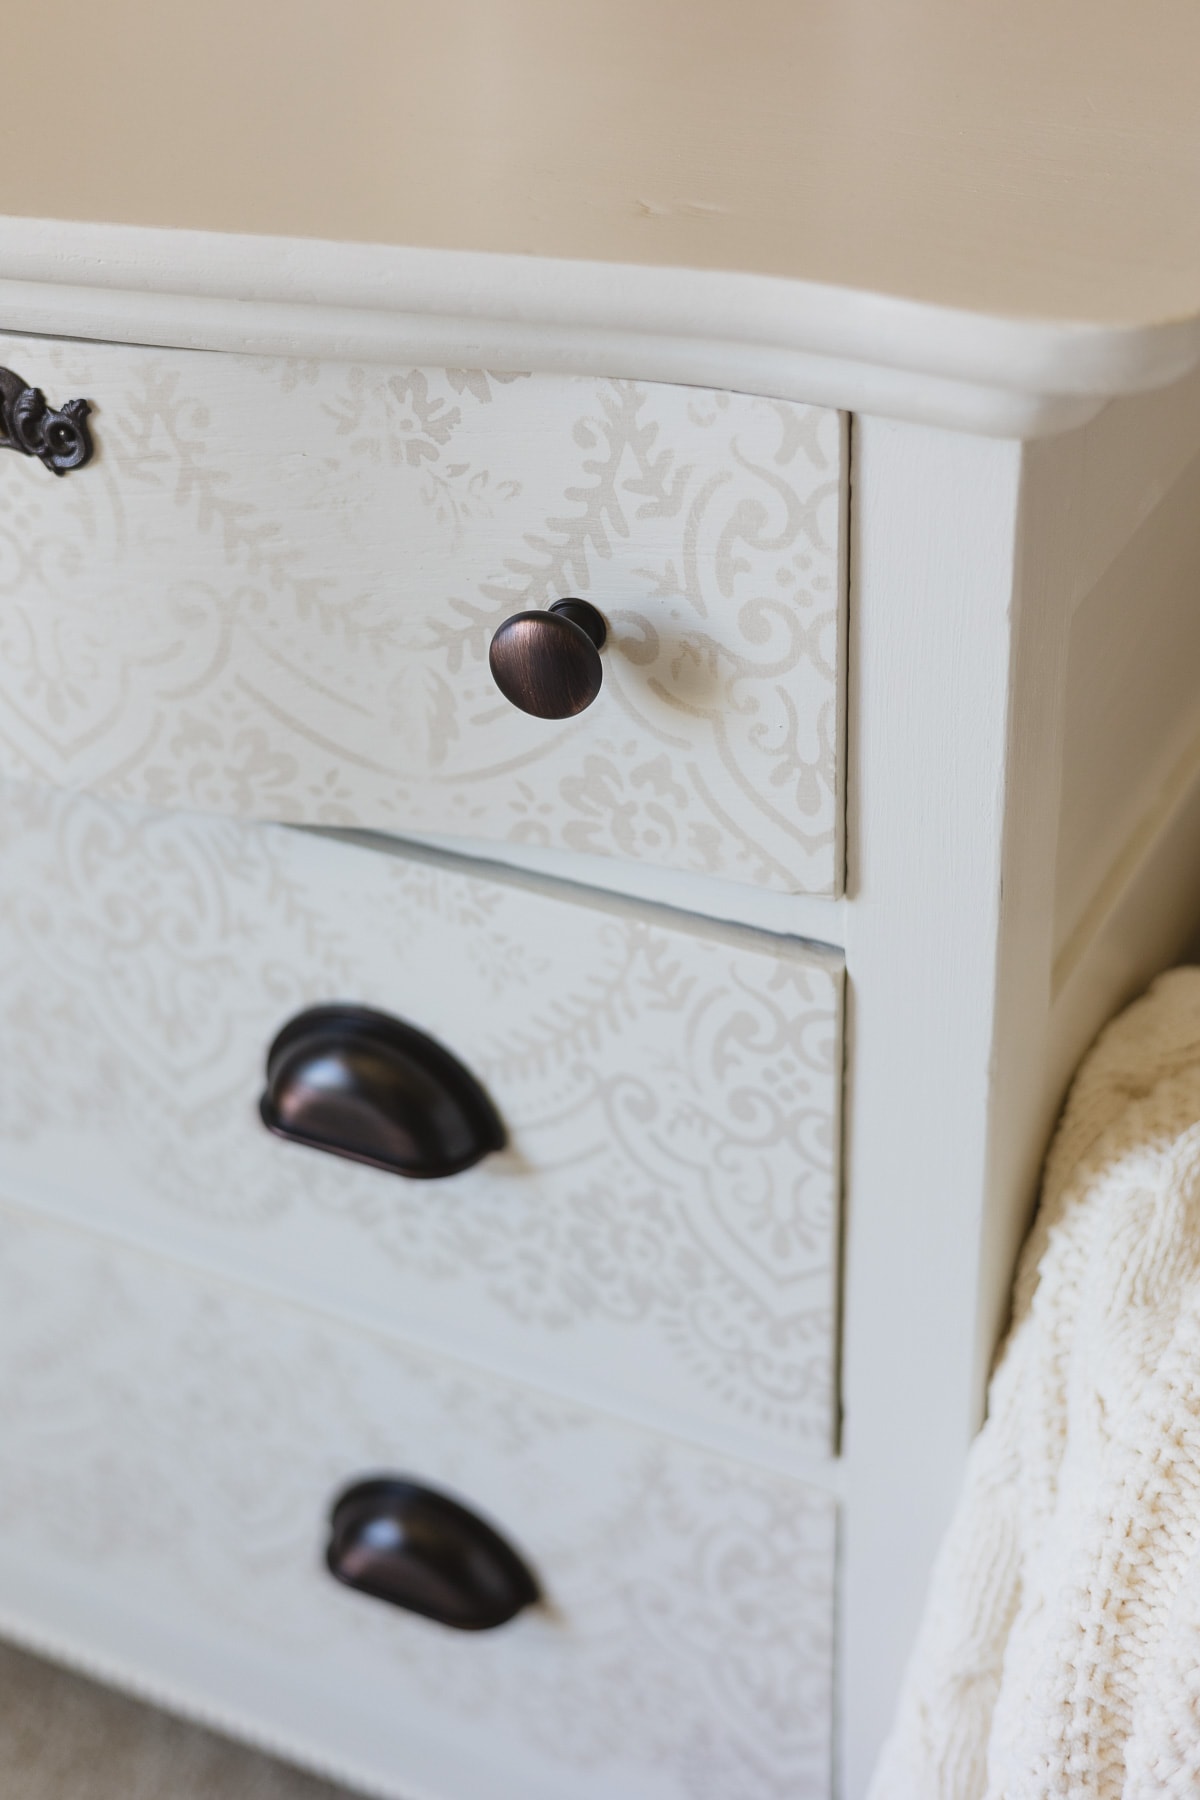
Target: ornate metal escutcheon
(58, 437)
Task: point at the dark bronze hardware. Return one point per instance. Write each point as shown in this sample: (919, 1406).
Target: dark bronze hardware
(416, 1548)
(548, 663)
(367, 1086)
(59, 438)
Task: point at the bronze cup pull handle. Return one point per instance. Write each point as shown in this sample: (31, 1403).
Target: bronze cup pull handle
(548, 663)
(367, 1086)
(413, 1547)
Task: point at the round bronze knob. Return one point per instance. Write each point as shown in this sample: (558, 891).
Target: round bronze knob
(548, 663)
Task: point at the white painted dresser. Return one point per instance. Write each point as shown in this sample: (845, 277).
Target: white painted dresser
(841, 358)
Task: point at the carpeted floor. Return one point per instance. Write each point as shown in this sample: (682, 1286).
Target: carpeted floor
(64, 1738)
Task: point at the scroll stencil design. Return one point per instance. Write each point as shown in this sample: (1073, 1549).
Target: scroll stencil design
(199, 1435)
(661, 1232)
(274, 594)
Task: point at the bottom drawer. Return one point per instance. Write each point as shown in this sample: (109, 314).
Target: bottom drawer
(170, 1445)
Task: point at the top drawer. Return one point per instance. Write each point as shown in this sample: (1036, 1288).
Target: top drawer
(272, 593)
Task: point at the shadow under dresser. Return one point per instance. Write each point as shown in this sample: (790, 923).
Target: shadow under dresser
(599, 695)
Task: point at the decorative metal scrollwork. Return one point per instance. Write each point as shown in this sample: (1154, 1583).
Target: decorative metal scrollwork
(60, 438)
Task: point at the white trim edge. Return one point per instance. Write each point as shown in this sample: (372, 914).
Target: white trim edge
(760, 334)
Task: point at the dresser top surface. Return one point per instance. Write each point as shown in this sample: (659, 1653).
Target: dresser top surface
(1020, 159)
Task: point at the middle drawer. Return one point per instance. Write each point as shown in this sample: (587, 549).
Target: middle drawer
(658, 1235)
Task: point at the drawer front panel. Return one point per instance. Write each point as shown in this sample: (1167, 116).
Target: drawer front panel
(169, 1450)
(271, 594)
(659, 1234)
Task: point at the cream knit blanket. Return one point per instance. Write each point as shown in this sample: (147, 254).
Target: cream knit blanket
(1060, 1650)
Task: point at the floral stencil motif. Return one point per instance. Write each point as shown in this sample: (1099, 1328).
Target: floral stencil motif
(272, 591)
(199, 1433)
(659, 1233)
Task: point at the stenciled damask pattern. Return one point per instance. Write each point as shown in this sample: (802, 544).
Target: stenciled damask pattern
(169, 1449)
(272, 593)
(658, 1236)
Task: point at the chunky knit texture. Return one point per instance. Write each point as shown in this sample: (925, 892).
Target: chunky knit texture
(1060, 1650)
